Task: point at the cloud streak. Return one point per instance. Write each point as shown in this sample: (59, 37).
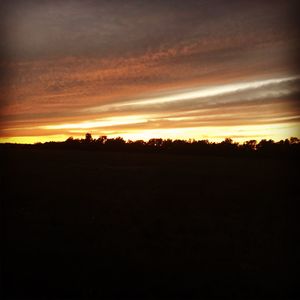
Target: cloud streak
(207, 93)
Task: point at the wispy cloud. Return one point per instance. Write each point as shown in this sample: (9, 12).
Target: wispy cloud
(208, 93)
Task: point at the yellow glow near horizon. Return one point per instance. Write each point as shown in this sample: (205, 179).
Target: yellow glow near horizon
(214, 134)
(34, 139)
(219, 133)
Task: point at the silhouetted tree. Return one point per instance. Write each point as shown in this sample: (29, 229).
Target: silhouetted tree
(250, 144)
(266, 147)
(102, 139)
(155, 142)
(88, 138)
(167, 144)
(138, 145)
(115, 143)
(227, 147)
(294, 140)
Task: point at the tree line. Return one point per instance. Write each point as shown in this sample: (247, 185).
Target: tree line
(284, 148)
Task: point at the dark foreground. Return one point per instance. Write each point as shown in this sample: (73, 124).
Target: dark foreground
(90, 225)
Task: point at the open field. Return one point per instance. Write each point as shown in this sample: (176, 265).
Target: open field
(88, 224)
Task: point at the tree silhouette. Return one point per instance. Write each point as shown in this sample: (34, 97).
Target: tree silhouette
(294, 140)
(155, 142)
(284, 148)
(102, 139)
(88, 138)
(249, 146)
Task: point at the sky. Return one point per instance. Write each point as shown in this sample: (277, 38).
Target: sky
(206, 69)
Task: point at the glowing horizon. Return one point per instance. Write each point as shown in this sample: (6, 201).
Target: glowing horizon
(240, 135)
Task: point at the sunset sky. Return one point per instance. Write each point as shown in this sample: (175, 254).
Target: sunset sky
(206, 69)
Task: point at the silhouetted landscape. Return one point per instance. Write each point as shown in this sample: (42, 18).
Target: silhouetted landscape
(265, 148)
(108, 219)
(149, 149)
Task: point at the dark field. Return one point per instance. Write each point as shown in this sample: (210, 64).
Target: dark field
(87, 224)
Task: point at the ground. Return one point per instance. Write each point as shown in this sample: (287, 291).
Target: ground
(91, 225)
